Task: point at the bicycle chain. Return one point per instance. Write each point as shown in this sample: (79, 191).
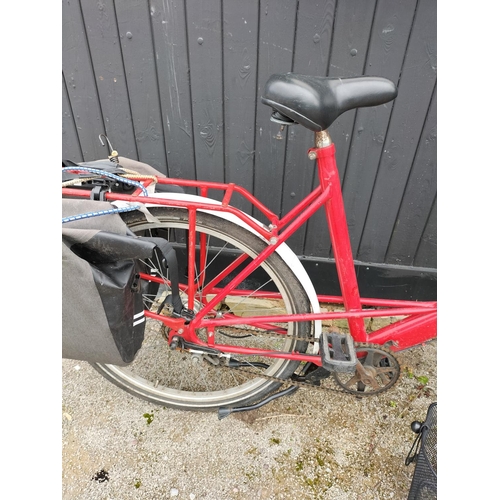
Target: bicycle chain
(290, 382)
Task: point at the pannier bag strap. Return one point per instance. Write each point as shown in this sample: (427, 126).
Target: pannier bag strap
(169, 260)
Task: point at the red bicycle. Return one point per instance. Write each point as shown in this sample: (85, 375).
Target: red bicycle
(248, 319)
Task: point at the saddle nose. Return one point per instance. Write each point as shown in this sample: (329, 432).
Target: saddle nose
(316, 102)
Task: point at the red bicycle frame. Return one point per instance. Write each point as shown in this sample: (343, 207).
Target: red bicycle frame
(417, 321)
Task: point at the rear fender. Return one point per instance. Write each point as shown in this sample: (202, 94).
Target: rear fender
(284, 251)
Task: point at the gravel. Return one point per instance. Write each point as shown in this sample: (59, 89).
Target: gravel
(310, 445)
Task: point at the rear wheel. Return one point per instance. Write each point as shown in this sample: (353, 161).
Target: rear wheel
(200, 381)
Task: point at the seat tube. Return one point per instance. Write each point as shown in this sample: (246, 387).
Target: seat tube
(339, 233)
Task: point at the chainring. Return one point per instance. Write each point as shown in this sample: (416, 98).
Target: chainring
(377, 371)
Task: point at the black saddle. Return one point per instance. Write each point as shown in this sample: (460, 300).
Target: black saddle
(316, 102)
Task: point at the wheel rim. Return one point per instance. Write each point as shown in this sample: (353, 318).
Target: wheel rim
(180, 379)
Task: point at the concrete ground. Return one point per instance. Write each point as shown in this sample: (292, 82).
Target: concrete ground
(310, 445)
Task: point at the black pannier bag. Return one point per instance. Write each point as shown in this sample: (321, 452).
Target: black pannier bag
(102, 308)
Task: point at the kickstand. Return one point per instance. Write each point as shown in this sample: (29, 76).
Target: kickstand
(224, 412)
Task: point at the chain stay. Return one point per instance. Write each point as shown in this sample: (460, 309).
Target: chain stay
(293, 382)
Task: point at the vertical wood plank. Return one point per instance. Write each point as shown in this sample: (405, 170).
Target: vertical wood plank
(390, 32)
(311, 57)
(105, 50)
(78, 74)
(351, 34)
(415, 91)
(205, 55)
(172, 61)
(276, 44)
(134, 30)
(419, 196)
(70, 144)
(240, 41)
(426, 255)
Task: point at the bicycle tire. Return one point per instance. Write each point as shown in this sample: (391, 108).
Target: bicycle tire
(176, 379)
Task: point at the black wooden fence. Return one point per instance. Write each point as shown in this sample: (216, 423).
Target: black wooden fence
(177, 84)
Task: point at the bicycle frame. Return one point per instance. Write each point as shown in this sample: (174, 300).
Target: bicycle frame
(417, 321)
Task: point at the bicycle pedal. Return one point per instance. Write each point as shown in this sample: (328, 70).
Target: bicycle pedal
(337, 352)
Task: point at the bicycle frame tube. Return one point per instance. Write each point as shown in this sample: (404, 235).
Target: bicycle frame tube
(337, 225)
(416, 324)
(329, 194)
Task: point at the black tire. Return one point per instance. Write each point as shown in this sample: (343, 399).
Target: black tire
(181, 380)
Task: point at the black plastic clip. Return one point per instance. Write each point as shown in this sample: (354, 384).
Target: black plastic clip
(98, 193)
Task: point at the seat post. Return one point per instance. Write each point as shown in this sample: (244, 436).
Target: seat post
(339, 233)
(322, 139)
